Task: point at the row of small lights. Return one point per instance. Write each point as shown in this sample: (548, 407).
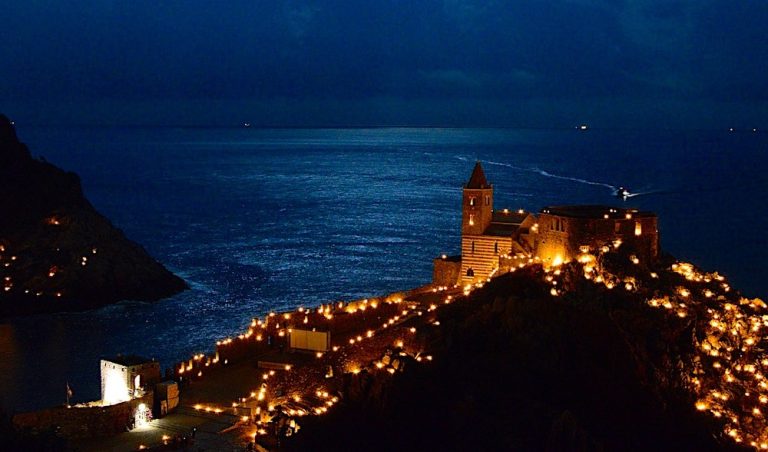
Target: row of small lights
(260, 395)
(739, 367)
(730, 375)
(52, 271)
(325, 310)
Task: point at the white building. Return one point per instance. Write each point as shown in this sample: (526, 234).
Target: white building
(125, 377)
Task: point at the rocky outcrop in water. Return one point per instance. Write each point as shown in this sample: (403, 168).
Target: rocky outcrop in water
(57, 253)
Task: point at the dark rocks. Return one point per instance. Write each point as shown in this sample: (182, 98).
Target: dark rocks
(57, 253)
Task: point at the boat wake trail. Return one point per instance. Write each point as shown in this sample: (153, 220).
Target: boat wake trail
(575, 179)
(541, 172)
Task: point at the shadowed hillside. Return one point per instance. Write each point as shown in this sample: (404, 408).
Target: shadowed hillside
(518, 369)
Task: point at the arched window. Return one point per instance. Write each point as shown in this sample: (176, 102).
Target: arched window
(496, 247)
(487, 200)
(472, 200)
(470, 272)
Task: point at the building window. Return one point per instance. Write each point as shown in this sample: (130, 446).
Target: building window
(470, 272)
(473, 247)
(638, 228)
(471, 219)
(617, 227)
(496, 247)
(487, 200)
(472, 200)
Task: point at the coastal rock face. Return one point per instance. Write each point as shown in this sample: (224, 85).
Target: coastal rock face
(57, 253)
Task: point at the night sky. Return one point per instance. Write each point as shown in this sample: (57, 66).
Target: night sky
(670, 63)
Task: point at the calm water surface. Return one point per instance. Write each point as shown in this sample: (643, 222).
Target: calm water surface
(257, 220)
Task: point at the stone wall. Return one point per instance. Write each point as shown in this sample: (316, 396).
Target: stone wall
(446, 271)
(84, 422)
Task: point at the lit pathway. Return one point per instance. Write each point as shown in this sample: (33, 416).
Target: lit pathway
(180, 422)
(209, 404)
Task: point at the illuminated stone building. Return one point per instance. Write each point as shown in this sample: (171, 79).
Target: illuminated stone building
(564, 232)
(495, 240)
(125, 377)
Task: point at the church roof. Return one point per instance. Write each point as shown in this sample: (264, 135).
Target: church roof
(501, 229)
(594, 211)
(509, 216)
(477, 180)
(505, 223)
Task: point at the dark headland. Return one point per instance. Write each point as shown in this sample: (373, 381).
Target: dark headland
(57, 253)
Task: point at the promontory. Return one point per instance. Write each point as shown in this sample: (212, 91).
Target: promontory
(57, 253)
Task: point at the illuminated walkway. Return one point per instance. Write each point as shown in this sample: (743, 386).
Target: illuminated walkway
(179, 423)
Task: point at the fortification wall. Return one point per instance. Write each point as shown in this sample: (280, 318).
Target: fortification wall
(562, 238)
(84, 422)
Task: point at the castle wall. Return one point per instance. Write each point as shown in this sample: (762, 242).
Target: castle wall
(561, 239)
(84, 422)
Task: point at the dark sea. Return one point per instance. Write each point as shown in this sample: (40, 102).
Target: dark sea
(256, 220)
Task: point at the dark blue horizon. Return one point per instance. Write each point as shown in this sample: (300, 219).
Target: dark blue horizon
(649, 64)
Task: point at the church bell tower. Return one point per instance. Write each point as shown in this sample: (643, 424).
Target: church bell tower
(477, 203)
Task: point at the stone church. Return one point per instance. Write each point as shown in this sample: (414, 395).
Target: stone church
(491, 240)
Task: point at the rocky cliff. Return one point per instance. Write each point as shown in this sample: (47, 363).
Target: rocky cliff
(57, 253)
